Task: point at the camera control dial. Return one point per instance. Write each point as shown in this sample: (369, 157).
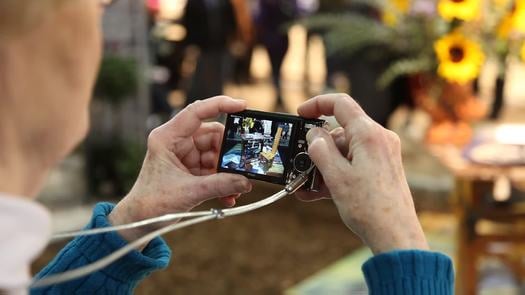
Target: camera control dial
(302, 162)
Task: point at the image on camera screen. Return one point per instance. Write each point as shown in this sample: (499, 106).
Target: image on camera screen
(257, 146)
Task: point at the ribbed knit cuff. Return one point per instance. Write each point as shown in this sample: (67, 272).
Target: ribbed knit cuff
(132, 267)
(409, 272)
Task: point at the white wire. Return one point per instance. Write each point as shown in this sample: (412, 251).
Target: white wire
(99, 264)
(96, 231)
(290, 188)
(213, 214)
(250, 207)
(163, 218)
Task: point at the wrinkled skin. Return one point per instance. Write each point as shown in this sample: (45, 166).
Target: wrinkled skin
(179, 170)
(360, 163)
(362, 172)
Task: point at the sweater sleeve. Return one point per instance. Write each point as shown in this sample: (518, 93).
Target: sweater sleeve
(121, 277)
(409, 272)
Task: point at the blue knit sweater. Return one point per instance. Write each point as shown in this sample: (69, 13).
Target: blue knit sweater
(399, 272)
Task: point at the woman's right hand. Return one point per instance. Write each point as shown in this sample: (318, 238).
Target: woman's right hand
(362, 171)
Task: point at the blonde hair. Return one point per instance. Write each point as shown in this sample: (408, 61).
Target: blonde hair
(16, 16)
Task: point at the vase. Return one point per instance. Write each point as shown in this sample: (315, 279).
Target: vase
(451, 106)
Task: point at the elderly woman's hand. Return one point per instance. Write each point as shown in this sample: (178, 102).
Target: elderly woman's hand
(179, 170)
(361, 167)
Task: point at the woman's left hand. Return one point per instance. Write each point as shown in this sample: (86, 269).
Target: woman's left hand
(179, 170)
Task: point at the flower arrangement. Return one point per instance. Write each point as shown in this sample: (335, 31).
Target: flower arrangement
(441, 45)
(449, 37)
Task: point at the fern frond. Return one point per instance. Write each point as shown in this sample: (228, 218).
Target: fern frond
(348, 33)
(404, 67)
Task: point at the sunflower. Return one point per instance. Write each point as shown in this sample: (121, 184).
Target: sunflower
(514, 21)
(461, 9)
(401, 5)
(518, 15)
(459, 58)
(505, 27)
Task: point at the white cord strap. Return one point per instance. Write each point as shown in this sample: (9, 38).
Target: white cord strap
(198, 217)
(96, 231)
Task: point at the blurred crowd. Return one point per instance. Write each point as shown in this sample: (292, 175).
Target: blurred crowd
(217, 44)
(221, 35)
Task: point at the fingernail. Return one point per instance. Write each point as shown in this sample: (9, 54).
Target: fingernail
(313, 134)
(243, 184)
(248, 187)
(231, 203)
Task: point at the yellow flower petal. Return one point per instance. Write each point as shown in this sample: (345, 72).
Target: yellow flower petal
(505, 27)
(460, 9)
(401, 5)
(518, 16)
(514, 21)
(459, 58)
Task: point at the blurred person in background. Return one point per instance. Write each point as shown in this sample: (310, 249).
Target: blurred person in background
(271, 18)
(211, 26)
(49, 56)
(242, 47)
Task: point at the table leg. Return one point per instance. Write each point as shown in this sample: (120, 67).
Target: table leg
(466, 259)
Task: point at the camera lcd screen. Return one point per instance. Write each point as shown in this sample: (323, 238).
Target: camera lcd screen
(257, 145)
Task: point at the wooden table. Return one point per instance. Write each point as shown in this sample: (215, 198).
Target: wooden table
(473, 182)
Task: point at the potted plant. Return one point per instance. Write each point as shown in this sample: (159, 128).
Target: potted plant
(113, 161)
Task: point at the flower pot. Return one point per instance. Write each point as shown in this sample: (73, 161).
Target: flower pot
(452, 108)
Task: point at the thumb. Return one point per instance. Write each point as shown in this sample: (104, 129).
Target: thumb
(324, 153)
(220, 185)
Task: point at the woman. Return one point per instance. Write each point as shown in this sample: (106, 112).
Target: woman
(49, 56)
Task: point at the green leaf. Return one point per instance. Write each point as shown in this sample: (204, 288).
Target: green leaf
(117, 79)
(404, 67)
(349, 33)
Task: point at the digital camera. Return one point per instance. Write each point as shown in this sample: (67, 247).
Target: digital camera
(270, 147)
